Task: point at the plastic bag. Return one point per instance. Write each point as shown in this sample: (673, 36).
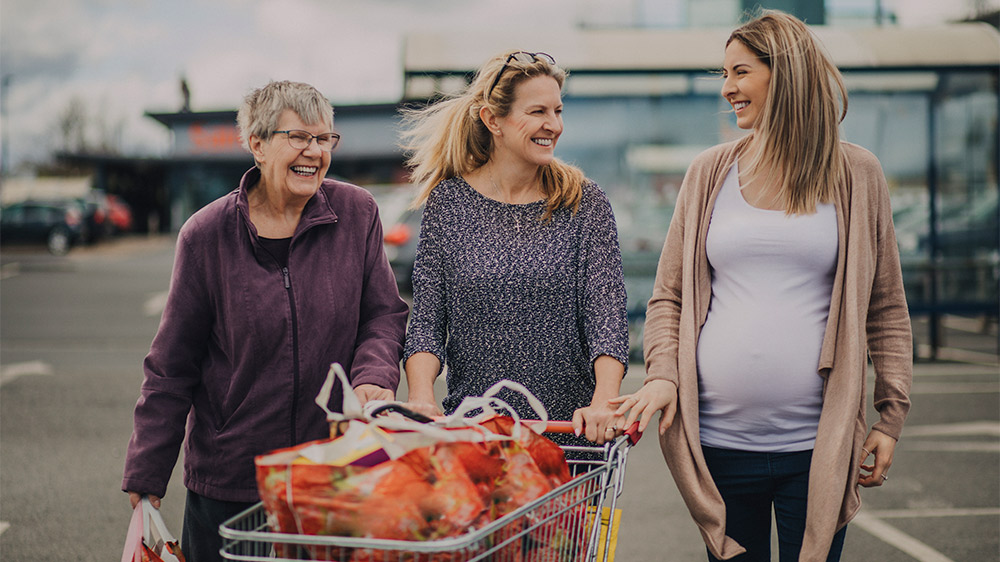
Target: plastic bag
(148, 539)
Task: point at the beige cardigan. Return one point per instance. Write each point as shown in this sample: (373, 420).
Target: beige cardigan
(868, 316)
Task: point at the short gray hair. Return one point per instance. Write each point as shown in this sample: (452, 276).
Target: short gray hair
(258, 115)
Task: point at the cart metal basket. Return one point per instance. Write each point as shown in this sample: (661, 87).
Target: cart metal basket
(577, 521)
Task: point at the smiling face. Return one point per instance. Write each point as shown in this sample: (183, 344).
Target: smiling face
(747, 79)
(530, 131)
(290, 172)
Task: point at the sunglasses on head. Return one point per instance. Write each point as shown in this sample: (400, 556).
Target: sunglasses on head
(520, 56)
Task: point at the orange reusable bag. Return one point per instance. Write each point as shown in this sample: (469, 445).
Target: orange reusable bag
(395, 478)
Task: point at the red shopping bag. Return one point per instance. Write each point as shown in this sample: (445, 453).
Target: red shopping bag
(148, 539)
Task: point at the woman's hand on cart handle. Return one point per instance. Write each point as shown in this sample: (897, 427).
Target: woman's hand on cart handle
(135, 497)
(654, 396)
(429, 409)
(555, 426)
(369, 392)
(598, 422)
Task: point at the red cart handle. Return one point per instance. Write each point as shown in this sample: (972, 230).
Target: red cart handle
(553, 426)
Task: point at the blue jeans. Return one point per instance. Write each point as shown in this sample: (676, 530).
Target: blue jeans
(750, 483)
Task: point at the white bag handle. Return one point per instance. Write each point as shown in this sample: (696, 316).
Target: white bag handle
(352, 410)
(490, 405)
(488, 402)
(155, 532)
(351, 407)
(133, 539)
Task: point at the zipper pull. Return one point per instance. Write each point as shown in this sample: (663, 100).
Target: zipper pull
(284, 273)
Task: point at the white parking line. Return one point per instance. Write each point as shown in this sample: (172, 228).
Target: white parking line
(15, 370)
(953, 446)
(955, 388)
(4, 526)
(155, 304)
(10, 270)
(897, 538)
(975, 428)
(971, 325)
(955, 354)
(933, 512)
(989, 428)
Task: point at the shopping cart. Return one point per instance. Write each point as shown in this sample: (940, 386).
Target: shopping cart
(577, 521)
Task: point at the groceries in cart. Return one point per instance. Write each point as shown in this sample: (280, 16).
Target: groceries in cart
(390, 477)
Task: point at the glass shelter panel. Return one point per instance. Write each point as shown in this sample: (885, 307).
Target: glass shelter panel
(935, 134)
(963, 245)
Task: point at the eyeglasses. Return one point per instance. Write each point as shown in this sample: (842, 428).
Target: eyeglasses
(520, 56)
(300, 140)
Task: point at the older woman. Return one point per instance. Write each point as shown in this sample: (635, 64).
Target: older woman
(271, 284)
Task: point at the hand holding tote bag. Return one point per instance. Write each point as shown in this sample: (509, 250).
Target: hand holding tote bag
(148, 539)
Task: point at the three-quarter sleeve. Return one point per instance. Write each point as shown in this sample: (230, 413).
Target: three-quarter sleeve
(604, 306)
(429, 318)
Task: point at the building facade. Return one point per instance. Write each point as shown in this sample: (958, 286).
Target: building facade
(640, 103)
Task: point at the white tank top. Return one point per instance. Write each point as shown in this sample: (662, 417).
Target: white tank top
(758, 353)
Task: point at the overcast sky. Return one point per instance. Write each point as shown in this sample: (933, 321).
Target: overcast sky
(121, 58)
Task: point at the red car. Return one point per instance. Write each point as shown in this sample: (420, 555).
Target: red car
(119, 213)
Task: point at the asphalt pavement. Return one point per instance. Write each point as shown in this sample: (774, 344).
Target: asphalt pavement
(74, 330)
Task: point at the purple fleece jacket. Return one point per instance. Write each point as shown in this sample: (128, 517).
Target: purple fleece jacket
(244, 344)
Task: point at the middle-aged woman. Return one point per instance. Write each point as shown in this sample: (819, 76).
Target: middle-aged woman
(271, 284)
(779, 277)
(518, 272)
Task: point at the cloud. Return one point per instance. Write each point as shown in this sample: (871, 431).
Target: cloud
(121, 58)
(35, 45)
(125, 57)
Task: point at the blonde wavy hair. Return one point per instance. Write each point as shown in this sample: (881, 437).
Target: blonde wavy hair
(796, 139)
(447, 138)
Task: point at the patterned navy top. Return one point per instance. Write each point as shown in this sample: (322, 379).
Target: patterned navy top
(500, 294)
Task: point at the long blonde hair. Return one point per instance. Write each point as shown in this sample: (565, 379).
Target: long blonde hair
(448, 138)
(796, 138)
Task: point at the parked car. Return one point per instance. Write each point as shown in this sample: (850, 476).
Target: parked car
(119, 214)
(400, 239)
(94, 207)
(58, 224)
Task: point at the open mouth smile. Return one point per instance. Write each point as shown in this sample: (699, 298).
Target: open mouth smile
(305, 170)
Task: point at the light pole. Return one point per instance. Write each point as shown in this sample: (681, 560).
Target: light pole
(4, 149)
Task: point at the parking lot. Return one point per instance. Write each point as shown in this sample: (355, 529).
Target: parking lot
(74, 330)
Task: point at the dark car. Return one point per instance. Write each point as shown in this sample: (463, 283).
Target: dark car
(94, 206)
(58, 224)
(401, 247)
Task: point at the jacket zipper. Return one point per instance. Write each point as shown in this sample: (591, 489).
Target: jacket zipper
(295, 357)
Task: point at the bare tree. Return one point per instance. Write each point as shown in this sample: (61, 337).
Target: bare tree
(84, 129)
(72, 123)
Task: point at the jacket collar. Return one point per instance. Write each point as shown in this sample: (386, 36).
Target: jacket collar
(319, 209)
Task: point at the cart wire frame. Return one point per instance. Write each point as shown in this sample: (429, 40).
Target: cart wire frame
(574, 522)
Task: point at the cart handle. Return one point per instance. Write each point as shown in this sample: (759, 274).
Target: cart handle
(553, 426)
